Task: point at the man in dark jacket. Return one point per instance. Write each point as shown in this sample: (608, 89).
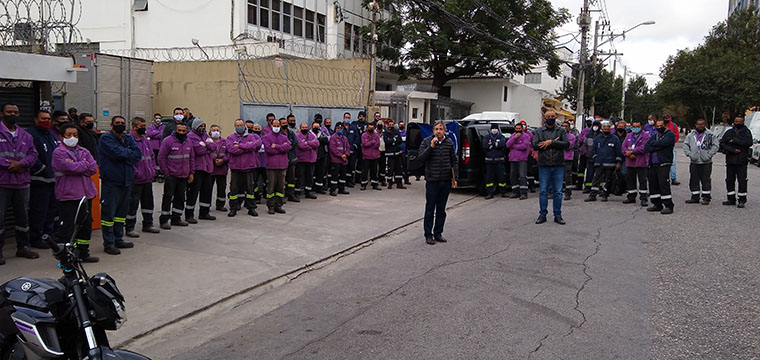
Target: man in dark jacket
(88, 138)
(179, 118)
(393, 156)
(736, 143)
(117, 154)
(607, 158)
(551, 142)
(323, 157)
(495, 147)
(441, 166)
(356, 161)
(42, 203)
(660, 150)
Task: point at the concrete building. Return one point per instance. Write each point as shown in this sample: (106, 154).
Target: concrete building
(736, 5)
(538, 77)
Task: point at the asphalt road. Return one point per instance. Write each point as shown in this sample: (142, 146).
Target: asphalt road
(615, 283)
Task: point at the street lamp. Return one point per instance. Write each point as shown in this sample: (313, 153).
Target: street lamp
(613, 36)
(625, 73)
(196, 42)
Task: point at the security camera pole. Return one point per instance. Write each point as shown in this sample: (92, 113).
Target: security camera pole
(584, 21)
(374, 7)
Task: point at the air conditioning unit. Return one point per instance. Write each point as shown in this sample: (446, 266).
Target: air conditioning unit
(23, 31)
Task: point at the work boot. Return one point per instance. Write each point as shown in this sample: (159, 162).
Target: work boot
(270, 211)
(590, 198)
(253, 212)
(166, 226)
(693, 200)
(179, 222)
(363, 187)
(333, 192)
(279, 210)
(644, 203)
(666, 211)
(150, 229)
(440, 239)
(375, 187)
(2, 259)
(407, 182)
(132, 233)
(523, 196)
(559, 220)
(206, 217)
(390, 185)
(604, 199)
(124, 244)
(705, 202)
(654, 208)
(740, 205)
(191, 220)
(383, 183)
(586, 191)
(293, 198)
(629, 200)
(504, 195)
(87, 258)
(310, 195)
(26, 252)
(321, 191)
(514, 196)
(429, 241)
(343, 192)
(568, 196)
(674, 182)
(232, 213)
(729, 202)
(222, 208)
(489, 196)
(400, 186)
(541, 220)
(111, 250)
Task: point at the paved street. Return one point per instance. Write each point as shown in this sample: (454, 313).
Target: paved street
(617, 282)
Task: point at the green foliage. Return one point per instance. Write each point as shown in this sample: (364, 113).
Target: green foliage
(719, 75)
(471, 37)
(600, 87)
(640, 100)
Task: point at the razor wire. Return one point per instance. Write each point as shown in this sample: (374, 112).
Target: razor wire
(36, 26)
(300, 82)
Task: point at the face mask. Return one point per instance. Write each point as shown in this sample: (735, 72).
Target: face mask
(275, 130)
(11, 119)
(240, 130)
(180, 137)
(178, 117)
(636, 130)
(589, 123)
(595, 128)
(738, 126)
(370, 130)
(44, 124)
(379, 127)
(362, 120)
(666, 121)
(157, 121)
(305, 131)
(328, 126)
(340, 132)
(495, 131)
(661, 130)
(89, 126)
(605, 132)
(621, 130)
(71, 142)
(700, 131)
(119, 129)
(216, 134)
(572, 126)
(651, 122)
(292, 125)
(315, 130)
(401, 128)
(257, 132)
(551, 121)
(141, 131)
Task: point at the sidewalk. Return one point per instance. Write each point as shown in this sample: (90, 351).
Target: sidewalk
(170, 275)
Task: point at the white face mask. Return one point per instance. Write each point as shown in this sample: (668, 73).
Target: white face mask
(595, 128)
(275, 130)
(572, 126)
(179, 117)
(216, 134)
(651, 122)
(494, 131)
(71, 142)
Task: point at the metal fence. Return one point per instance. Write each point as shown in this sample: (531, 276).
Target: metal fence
(35, 26)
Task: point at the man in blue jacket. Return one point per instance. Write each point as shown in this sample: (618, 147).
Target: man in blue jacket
(660, 150)
(495, 147)
(356, 160)
(117, 153)
(607, 157)
(42, 201)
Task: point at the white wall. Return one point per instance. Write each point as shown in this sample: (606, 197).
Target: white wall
(549, 84)
(486, 94)
(526, 101)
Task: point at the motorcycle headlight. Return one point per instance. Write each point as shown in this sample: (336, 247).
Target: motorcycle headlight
(121, 311)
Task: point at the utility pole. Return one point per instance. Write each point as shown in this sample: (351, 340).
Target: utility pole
(622, 104)
(593, 68)
(584, 21)
(374, 7)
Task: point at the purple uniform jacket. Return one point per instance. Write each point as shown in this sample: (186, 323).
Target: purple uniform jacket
(154, 135)
(569, 153)
(242, 151)
(219, 151)
(18, 148)
(339, 146)
(370, 145)
(519, 148)
(145, 169)
(73, 168)
(203, 159)
(277, 147)
(636, 144)
(176, 158)
(307, 147)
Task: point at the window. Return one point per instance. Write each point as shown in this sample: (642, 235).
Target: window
(347, 37)
(414, 113)
(297, 21)
(286, 17)
(506, 93)
(275, 14)
(252, 11)
(264, 13)
(140, 5)
(309, 24)
(320, 28)
(533, 78)
(357, 38)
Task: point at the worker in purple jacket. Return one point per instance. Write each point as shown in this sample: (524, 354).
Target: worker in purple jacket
(637, 162)
(370, 151)
(221, 158)
(142, 188)
(260, 172)
(519, 145)
(73, 166)
(177, 161)
(307, 159)
(339, 153)
(569, 155)
(200, 191)
(277, 146)
(17, 155)
(242, 147)
(154, 136)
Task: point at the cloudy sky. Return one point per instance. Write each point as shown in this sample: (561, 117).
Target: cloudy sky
(679, 24)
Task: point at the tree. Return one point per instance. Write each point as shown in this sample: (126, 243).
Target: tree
(719, 75)
(446, 40)
(600, 86)
(640, 100)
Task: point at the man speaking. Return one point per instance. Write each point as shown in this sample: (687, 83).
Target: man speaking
(441, 166)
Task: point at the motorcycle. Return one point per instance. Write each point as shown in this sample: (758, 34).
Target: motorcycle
(65, 318)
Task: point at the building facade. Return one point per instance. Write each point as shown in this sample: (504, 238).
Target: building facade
(736, 5)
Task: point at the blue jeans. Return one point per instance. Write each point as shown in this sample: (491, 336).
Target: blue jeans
(673, 167)
(550, 177)
(114, 206)
(436, 196)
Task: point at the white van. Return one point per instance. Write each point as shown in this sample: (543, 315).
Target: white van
(495, 115)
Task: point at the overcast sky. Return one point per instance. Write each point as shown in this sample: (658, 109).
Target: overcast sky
(680, 24)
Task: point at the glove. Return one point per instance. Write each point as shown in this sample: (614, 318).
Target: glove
(209, 140)
(202, 144)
